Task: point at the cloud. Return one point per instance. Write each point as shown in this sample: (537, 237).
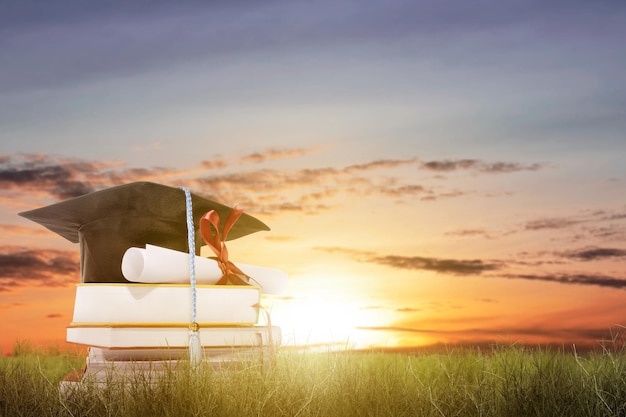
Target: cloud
(274, 153)
(58, 177)
(477, 165)
(313, 185)
(470, 267)
(582, 218)
(381, 164)
(261, 191)
(406, 190)
(54, 316)
(13, 230)
(613, 233)
(37, 267)
(63, 178)
(551, 223)
(616, 216)
(449, 266)
(573, 279)
(447, 194)
(592, 254)
(214, 164)
(469, 233)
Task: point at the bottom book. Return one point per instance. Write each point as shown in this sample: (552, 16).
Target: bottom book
(159, 363)
(131, 337)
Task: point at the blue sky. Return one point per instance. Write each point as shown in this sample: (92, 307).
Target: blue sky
(471, 128)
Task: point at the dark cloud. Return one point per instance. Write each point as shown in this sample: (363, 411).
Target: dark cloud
(447, 194)
(63, 178)
(449, 266)
(573, 279)
(37, 267)
(551, 223)
(469, 233)
(584, 217)
(599, 225)
(478, 166)
(611, 233)
(592, 254)
(463, 267)
(59, 179)
(54, 316)
(616, 216)
(447, 165)
(405, 190)
(381, 164)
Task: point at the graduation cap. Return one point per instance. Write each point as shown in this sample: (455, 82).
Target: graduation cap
(105, 223)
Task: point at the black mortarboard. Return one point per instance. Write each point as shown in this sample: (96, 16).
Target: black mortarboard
(108, 222)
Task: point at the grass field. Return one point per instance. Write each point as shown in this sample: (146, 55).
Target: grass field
(503, 381)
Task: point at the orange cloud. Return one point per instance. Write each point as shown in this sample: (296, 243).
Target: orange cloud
(309, 190)
(13, 230)
(274, 153)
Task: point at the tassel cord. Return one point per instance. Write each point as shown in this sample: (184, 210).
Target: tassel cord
(195, 347)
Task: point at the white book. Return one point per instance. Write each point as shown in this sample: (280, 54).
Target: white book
(106, 366)
(105, 357)
(122, 337)
(165, 304)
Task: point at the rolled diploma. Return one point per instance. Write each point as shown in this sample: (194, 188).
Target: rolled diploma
(158, 265)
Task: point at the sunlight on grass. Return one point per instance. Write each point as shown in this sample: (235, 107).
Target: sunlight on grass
(505, 381)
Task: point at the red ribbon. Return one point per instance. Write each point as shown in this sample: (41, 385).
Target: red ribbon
(210, 223)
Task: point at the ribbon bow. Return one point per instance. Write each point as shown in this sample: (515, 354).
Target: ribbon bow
(211, 221)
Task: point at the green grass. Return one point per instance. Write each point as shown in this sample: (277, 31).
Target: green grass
(505, 381)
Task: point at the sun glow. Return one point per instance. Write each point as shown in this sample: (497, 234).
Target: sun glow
(329, 319)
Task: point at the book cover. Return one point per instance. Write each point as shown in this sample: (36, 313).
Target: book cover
(129, 337)
(163, 304)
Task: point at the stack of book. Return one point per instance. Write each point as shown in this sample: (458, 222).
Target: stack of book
(145, 327)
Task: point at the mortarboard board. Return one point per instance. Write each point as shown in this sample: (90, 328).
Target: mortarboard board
(105, 223)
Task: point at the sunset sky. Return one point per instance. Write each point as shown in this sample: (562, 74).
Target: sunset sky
(432, 171)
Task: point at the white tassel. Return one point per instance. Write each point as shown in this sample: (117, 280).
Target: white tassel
(195, 349)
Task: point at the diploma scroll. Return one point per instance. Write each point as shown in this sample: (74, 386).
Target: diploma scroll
(158, 265)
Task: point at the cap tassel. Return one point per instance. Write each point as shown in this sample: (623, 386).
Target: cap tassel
(195, 347)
